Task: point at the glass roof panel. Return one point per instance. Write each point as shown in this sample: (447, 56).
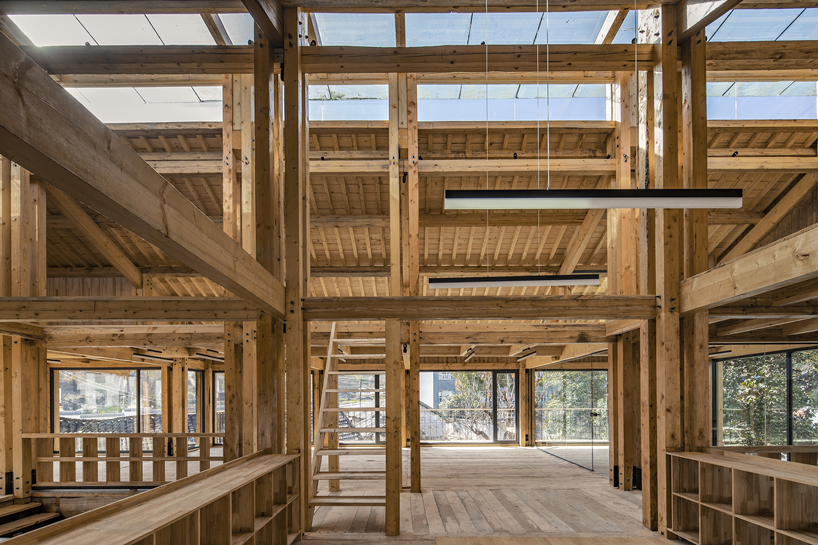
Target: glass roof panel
(579, 27)
(719, 88)
(558, 90)
(427, 29)
(805, 27)
(209, 93)
(749, 25)
(181, 29)
(319, 92)
(495, 91)
(504, 28)
(760, 89)
(120, 29)
(160, 95)
(362, 29)
(358, 92)
(801, 89)
(125, 105)
(430, 92)
(45, 30)
(625, 33)
(239, 26)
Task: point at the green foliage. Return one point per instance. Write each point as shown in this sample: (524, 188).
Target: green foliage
(755, 400)
(472, 393)
(805, 397)
(565, 403)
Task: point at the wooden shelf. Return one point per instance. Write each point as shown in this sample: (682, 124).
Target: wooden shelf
(723, 507)
(692, 537)
(801, 535)
(292, 537)
(241, 539)
(261, 521)
(765, 521)
(689, 496)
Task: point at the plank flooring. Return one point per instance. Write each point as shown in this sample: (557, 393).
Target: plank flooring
(548, 541)
(500, 492)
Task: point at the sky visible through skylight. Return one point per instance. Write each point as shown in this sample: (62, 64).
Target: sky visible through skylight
(451, 102)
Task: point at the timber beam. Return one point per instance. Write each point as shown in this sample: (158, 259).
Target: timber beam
(788, 261)
(588, 307)
(66, 309)
(44, 129)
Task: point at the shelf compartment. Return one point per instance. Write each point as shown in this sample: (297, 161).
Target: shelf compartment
(715, 527)
(182, 532)
(715, 484)
(685, 517)
(685, 475)
(692, 537)
(797, 509)
(747, 533)
(786, 537)
(753, 494)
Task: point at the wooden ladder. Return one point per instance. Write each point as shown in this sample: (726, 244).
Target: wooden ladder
(327, 427)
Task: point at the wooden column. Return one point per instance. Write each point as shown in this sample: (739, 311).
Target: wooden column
(167, 404)
(394, 189)
(697, 387)
(394, 372)
(414, 406)
(627, 382)
(233, 386)
(6, 428)
(669, 264)
(265, 228)
(614, 421)
(646, 179)
(525, 409)
(179, 396)
(296, 183)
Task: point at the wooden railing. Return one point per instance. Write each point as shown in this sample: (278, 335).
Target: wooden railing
(116, 460)
(802, 454)
(254, 499)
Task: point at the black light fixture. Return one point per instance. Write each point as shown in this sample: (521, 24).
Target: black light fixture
(526, 356)
(150, 357)
(210, 357)
(514, 281)
(585, 199)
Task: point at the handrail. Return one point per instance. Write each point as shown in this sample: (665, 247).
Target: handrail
(105, 457)
(254, 495)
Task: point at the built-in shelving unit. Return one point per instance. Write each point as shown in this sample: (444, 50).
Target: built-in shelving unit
(725, 500)
(252, 500)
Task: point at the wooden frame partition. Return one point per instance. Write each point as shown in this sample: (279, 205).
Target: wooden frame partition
(725, 500)
(251, 500)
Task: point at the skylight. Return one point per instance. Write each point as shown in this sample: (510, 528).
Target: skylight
(359, 29)
(239, 26)
(151, 104)
(119, 29)
(762, 100)
(749, 25)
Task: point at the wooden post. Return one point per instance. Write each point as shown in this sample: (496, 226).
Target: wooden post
(6, 428)
(394, 473)
(296, 182)
(669, 264)
(627, 382)
(414, 406)
(697, 388)
(394, 189)
(233, 429)
(614, 420)
(179, 397)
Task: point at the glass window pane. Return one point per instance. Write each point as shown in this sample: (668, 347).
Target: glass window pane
(150, 404)
(218, 403)
(754, 407)
(506, 407)
(571, 406)
(194, 404)
(456, 410)
(359, 398)
(97, 401)
(805, 397)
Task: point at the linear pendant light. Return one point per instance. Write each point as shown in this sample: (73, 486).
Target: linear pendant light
(468, 282)
(583, 199)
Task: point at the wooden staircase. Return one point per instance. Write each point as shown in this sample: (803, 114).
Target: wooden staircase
(327, 444)
(16, 519)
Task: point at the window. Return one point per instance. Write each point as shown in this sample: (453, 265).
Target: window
(195, 404)
(363, 395)
(98, 401)
(218, 404)
(571, 407)
(768, 399)
(482, 407)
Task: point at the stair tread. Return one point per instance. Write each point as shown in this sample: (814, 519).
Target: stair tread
(362, 390)
(349, 475)
(21, 524)
(19, 508)
(353, 430)
(356, 373)
(349, 500)
(351, 451)
(354, 409)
